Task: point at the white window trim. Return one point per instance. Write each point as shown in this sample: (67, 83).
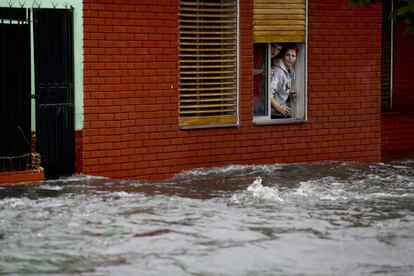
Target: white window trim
(266, 120)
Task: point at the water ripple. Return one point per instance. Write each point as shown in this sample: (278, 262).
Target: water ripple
(337, 218)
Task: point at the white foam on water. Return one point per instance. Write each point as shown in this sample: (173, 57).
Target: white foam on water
(327, 188)
(257, 192)
(50, 187)
(382, 196)
(230, 169)
(208, 171)
(331, 189)
(75, 178)
(13, 202)
(122, 194)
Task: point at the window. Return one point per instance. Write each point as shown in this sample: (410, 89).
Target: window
(279, 94)
(386, 65)
(208, 63)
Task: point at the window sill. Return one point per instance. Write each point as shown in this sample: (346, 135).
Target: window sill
(279, 121)
(209, 126)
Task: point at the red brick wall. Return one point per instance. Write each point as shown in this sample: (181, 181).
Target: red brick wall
(344, 79)
(398, 125)
(78, 151)
(131, 75)
(21, 177)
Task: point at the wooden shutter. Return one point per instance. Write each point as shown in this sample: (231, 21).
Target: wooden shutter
(279, 20)
(208, 62)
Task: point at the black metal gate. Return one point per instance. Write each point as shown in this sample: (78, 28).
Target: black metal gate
(54, 90)
(14, 89)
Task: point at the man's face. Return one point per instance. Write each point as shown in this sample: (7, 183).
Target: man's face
(275, 49)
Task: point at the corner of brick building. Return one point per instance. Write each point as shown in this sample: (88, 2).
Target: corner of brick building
(131, 94)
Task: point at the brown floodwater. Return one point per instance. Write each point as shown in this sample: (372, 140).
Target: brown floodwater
(326, 218)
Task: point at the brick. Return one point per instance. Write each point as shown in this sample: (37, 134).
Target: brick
(132, 46)
(30, 177)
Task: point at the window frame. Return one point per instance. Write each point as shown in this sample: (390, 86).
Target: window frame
(266, 120)
(302, 63)
(387, 60)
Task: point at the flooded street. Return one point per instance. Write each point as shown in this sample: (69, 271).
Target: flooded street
(310, 219)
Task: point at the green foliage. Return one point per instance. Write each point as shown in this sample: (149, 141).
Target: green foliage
(403, 10)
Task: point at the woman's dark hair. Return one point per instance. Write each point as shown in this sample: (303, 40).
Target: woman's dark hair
(288, 46)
